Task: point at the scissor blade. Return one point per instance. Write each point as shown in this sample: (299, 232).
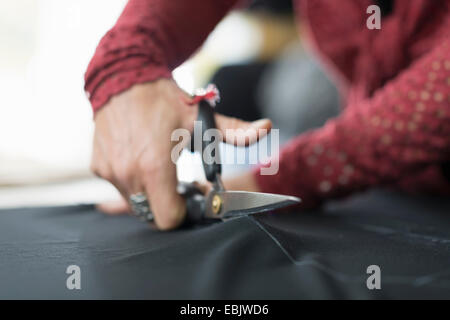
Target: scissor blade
(240, 203)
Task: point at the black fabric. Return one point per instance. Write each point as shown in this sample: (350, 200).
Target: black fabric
(285, 255)
(386, 6)
(272, 6)
(238, 86)
(446, 170)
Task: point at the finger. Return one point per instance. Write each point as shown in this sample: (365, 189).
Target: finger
(118, 206)
(204, 187)
(114, 208)
(242, 133)
(167, 205)
(126, 178)
(103, 170)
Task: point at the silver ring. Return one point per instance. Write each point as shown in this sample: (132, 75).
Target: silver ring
(140, 206)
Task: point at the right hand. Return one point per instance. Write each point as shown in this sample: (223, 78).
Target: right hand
(132, 145)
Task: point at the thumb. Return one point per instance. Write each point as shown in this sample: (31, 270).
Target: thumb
(240, 132)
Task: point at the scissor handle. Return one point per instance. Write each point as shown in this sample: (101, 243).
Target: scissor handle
(195, 202)
(206, 117)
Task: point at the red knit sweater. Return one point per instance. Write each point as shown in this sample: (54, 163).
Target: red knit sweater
(395, 128)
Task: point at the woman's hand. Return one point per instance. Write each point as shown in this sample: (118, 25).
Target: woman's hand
(132, 145)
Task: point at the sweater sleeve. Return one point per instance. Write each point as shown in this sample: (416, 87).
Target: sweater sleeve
(151, 38)
(402, 129)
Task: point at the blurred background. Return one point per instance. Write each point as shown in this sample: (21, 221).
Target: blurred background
(255, 56)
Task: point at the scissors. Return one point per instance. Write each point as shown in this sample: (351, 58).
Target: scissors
(219, 204)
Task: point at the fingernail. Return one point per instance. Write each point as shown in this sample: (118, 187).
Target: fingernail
(259, 123)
